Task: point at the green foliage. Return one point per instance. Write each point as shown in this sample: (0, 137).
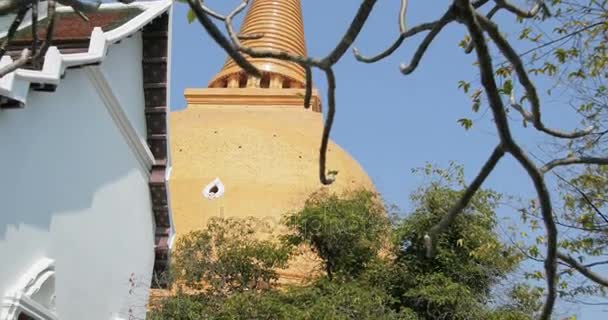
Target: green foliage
(469, 252)
(226, 257)
(323, 300)
(345, 232)
(377, 268)
(466, 123)
(470, 260)
(180, 307)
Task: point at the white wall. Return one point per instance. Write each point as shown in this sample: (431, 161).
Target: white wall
(123, 68)
(71, 190)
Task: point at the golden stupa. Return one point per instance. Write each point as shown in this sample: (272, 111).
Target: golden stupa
(247, 147)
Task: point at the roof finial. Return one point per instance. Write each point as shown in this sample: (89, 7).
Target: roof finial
(280, 23)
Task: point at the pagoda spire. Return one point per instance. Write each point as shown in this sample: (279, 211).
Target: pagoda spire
(281, 24)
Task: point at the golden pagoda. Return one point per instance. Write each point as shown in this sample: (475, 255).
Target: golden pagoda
(246, 146)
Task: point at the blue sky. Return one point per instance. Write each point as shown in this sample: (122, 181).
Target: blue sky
(389, 122)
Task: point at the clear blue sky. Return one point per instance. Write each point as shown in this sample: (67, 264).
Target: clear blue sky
(389, 122)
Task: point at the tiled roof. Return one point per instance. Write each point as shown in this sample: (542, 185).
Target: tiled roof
(70, 26)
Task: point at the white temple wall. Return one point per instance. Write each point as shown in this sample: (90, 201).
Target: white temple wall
(123, 68)
(73, 191)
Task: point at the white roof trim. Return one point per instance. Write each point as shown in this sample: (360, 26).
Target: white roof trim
(16, 84)
(136, 143)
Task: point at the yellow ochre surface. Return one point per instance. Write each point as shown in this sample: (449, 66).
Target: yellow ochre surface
(266, 157)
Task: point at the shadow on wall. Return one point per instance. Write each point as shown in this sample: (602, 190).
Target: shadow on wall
(56, 153)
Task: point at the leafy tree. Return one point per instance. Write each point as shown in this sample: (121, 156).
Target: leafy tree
(346, 232)
(323, 300)
(380, 268)
(226, 257)
(470, 259)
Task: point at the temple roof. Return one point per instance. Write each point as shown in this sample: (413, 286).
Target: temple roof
(70, 26)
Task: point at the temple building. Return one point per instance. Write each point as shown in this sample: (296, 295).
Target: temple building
(246, 146)
(84, 204)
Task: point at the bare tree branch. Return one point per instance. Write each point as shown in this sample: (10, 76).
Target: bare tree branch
(308, 93)
(471, 20)
(23, 59)
(582, 269)
(470, 47)
(351, 34)
(522, 13)
(331, 112)
(404, 34)
(219, 38)
(409, 33)
(573, 160)
(447, 17)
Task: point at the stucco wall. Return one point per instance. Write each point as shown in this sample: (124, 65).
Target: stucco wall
(72, 190)
(123, 69)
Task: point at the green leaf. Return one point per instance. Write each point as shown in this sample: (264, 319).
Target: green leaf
(190, 16)
(476, 105)
(466, 123)
(464, 85)
(507, 87)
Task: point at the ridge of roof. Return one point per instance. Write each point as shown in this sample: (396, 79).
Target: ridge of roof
(15, 85)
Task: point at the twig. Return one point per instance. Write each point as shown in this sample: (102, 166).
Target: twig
(23, 59)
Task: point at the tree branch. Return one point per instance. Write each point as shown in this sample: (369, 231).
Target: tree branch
(509, 53)
(351, 34)
(331, 113)
(582, 269)
(424, 45)
(219, 38)
(23, 59)
(308, 92)
(471, 19)
(573, 160)
(522, 13)
(585, 197)
(430, 238)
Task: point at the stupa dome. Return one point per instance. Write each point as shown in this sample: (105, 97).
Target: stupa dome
(266, 158)
(247, 147)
